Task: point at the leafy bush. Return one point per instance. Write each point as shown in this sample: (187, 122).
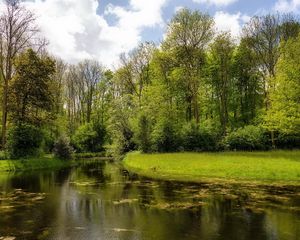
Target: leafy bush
(62, 148)
(166, 137)
(3, 155)
(49, 140)
(24, 140)
(89, 138)
(288, 141)
(247, 138)
(198, 139)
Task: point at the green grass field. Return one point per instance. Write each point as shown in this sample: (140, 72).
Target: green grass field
(279, 166)
(45, 162)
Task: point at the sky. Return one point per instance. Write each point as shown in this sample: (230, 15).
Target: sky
(103, 29)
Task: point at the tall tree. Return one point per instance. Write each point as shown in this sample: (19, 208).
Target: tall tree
(247, 95)
(17, 31)
(91, 73)
(264, 35)
(220, 60)
(32, 97)
(135, 72)
(284, 113)
(188, 35)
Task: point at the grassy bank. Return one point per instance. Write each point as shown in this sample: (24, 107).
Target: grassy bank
(281, 166)
(45, 162)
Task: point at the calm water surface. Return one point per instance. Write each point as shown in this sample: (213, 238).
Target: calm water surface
(99, 200)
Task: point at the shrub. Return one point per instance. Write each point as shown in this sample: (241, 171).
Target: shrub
(247, 138)
(199, 139)
(49, 140)
(288, 141)
(62, 148)
(166, 137)
(3, 155)
(24, 140)
(89, 138)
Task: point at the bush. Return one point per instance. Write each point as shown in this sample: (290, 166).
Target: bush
(24, 140)
(49, 140)
(166, 137)
(247, 138)
(198, 139)
(288, 141)
(3, 155)
(89, 138)
(62, 148)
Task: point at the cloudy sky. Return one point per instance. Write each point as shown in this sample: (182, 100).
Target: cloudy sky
(102, 29)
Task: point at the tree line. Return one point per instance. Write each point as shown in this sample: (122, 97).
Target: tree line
(198, 90)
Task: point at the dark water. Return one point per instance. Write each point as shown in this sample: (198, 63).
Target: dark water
(101, 201)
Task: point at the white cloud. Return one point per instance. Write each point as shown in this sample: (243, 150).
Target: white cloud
(75, 30)
(232, 23)
(178, 8)
(287, 6)
(216, 2)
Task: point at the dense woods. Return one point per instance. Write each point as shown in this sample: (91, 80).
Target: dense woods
(197, 90)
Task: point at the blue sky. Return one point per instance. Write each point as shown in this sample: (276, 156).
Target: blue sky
(103, 29)
(243, 7)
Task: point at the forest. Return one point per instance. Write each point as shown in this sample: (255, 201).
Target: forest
(195, 136)
(197, 90)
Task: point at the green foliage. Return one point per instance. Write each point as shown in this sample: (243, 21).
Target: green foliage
(31, 93)
(166, 137)
(62, 148)
(34, 163)
(143, 134)
(120, 128)
(49, 140)
(3, 155)
(288, 141)
(89, 138)
(198, 139)
(247, 138)
(246, 97)
(284, 113)
(220, 73)
(24, 140)
(88, 155)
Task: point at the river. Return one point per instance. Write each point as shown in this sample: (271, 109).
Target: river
(101, 200)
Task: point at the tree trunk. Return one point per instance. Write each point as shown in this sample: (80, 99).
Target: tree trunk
(4, 113)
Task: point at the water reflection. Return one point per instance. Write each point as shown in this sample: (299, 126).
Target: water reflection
(99, 200)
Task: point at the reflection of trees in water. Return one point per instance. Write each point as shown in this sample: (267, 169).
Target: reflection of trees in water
(227, 218)
(126, 207)
(93, 171)
(31, 219)
(37, 181)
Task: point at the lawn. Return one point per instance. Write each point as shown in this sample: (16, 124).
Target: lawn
(45, 162)
(249, 166)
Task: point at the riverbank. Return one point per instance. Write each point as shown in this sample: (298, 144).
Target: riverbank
(44, 162)
(273, 166)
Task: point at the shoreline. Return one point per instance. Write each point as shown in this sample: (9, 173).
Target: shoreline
(37, 163)
(227, 167)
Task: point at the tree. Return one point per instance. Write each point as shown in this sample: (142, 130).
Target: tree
(90, 73)
(264, 34)
(135, 71)
(220, 60)
(284, 113)
(17, 32)
(31, 95)
(188, 35)
(247, 96)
